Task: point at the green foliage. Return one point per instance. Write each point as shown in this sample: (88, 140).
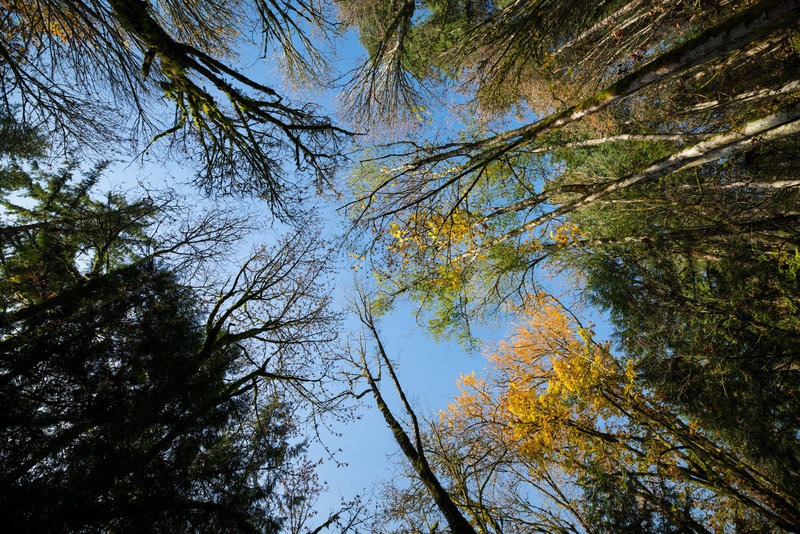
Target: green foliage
(698, 279)
(113, 420)
(436, 28)
(62, 230)
(716, 339)
(19, 139)
(120, 414)
(612, 507)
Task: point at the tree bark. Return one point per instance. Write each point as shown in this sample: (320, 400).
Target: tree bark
(780, 124)
(415, 454)
(743, 28)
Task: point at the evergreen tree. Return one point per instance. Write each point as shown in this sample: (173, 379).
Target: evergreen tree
(127, 407)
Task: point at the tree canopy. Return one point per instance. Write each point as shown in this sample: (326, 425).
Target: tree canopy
(130, 404)
(637, 156)
(563, 435)
(87, 70)
(476, 213)
(646, 152)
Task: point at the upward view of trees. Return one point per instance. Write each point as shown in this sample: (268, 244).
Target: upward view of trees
(640, 154)
(647, 152)
(128, 404)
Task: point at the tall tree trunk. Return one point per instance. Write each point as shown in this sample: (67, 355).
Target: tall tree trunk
(775, 126)
(741, 29)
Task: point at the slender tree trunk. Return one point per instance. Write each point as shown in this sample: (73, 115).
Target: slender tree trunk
(741, 29)
(778, 125)
(415, 455)
(703, 233)
(458, 524)
(603, 24)
(756, 94)
(654, 138)
(777, 184)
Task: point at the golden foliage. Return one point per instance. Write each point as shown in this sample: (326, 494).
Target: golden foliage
(565, 402)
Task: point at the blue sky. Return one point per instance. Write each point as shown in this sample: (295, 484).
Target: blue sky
(428, 370)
